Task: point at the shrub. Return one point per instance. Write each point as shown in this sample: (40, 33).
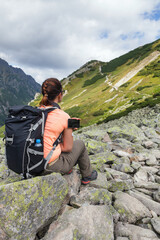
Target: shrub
(105, 88)
(80, 75)
(92, 69)
(142, 87)
(152, 68)
(92, 80)
(125, 84)
(110, 107)
(156, 74)
(134, 100)
(98, 113)
(158, 47)
(156, 95)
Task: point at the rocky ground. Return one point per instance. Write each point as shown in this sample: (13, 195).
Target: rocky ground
(122, 204)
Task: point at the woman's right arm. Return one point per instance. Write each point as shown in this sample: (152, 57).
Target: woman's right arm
(67, 144)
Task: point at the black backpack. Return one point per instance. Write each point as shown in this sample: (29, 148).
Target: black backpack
(23, 126)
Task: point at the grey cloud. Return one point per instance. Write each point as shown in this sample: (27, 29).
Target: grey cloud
(55, 36)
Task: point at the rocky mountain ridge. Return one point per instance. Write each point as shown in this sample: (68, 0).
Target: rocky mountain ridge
(16, 88)
(122, 204)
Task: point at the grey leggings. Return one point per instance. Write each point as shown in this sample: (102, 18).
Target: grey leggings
(67, 160)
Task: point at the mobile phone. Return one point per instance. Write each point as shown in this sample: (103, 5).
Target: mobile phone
(73, 123)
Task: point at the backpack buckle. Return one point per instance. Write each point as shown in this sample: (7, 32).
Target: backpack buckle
(9, 140)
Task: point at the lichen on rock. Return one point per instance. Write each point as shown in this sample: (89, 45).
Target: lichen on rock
(28, 205)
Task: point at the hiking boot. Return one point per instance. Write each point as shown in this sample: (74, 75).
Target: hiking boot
(91, 177)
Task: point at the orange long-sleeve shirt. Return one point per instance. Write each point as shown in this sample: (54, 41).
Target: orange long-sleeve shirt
(56, 122)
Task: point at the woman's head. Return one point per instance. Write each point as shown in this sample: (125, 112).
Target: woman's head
(51, 88)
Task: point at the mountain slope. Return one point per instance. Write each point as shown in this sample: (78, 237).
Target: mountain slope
(16, 88)
(99, 91)
(102, 91)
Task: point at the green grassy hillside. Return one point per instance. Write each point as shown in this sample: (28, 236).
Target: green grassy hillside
(99, 91)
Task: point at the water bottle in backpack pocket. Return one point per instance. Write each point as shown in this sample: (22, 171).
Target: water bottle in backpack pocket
(38, 143)
(35, 157)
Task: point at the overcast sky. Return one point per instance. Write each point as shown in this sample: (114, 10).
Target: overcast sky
(53, 38)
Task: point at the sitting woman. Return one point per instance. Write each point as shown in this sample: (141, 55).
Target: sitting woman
(68, 153)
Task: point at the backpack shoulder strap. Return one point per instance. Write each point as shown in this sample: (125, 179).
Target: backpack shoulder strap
(58, 140)
(45, 112)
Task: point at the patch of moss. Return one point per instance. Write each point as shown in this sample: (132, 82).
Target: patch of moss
(77, 235)
(101, 196)
(24, 200)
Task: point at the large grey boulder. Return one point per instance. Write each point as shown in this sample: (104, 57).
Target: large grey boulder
(157, 179)
(150, 133)
(94, 146)
(121, 144)
(147, 185)
(122, 153)
(95, 133)
(156, 195)
(135, 165)
(156, 153)
(74, 182)
(129, 131)
(141, 175)
(142, 156)
(28, 205)
(134, 232)
(149, 203)
(116, 174)
(152, 170)
(123, 167)
(149, 144)
(129, 208)
(147, 192)
(120, 185)
(152, 161)
(100, 182)
(120, 160)
(156, 224)
(99, 159)
(88, 222)
(91, 195)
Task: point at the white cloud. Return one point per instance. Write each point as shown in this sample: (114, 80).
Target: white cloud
(55, 37)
